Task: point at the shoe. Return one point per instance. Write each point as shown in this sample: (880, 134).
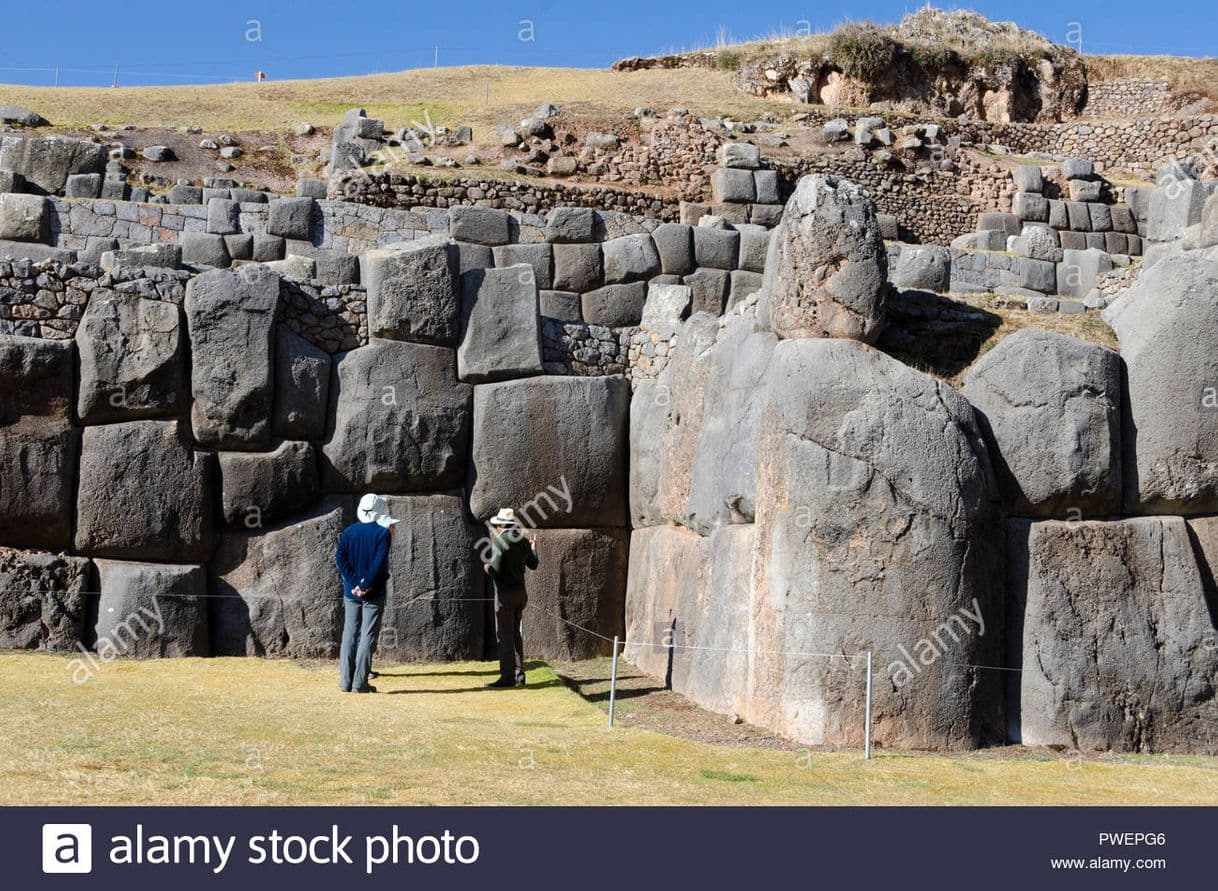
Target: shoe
(501, 684)
(367, 688)
(520, 682)
(374, 674)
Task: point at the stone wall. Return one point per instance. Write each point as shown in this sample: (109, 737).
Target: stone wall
(1129, 97)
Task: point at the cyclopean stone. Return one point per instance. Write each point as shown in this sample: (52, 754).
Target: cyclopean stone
(1112, 636)
(230, 314)
(302, 387)
(144, 493)
(1050, 406)
(132, 359)
(399, 420)
(827, 271)
(151, 610)
(500, 325)
(412, 291)
(44, 600)
(259, 487)
(277, 590)
(552, 448)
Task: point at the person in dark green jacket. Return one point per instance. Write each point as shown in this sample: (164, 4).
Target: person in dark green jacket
(511, 555)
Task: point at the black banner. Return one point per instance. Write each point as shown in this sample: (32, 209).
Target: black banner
(581, 849)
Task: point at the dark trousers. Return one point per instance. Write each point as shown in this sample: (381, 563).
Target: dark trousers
(361, 625)
(509, 612)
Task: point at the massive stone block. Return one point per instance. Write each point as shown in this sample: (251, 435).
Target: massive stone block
(23, 217)
(132, 359)
(580, 579)
(577, 267)
(44, 599)
(615, 306)
(302, 387)
(1050, 407)
(553, 448)
(436, 605)
(399, 420)
(630, 258)
(500, 325)
(291, 218)
(877, 528)
(258, 487)
(688, 607)
(230, 314)
(46, 162)
(144, 494)
(1166, 323)
(412, 291)
(277, 590)
(827, 271)
(1114, 638)
(35, 377)
(540, 256)
(924, 268)
(38, 457)
(150, 610)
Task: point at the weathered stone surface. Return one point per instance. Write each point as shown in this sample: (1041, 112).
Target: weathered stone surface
(35, 377)
(500, 325)
(302, 387)
(630, 258)
(923, 268)
(230, 315)
(674, 244)
(259, 487)
(580, 579)
(1050, 406)
(1165, 323)
(204, 249)
(46, 162)
(553, 448)
(562, 305)
(412, 291)
(436, 584)
(615, 306)
(399, 420)
(665, 422)
(151, 610)
(716, 248)
(577, 267)
(144, 493)
(132, 359)
(277, 590)
(44, 600)
(1173, 208)
(688, 606)
(38, 457)
(666, 305)
(827, 270)
(710, 288)
(566, 225)
(291, 218)
(539, 256)
(480, 225)
(23, 217)
(732, 185)
(877, 528)
(1110, 627)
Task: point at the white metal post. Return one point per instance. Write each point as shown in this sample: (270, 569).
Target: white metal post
(867, 729)
(613, 682)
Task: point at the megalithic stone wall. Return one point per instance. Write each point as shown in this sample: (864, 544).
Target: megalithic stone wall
(799, 500)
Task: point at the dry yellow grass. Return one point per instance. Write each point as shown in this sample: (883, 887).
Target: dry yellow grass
(246, 731)
(482, 96)
(1184, 75)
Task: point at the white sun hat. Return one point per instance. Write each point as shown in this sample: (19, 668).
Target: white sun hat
(375, 509)
(505, 517)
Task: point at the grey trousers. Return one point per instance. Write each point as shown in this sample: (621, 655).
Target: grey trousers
(509, 611)
(361, 625)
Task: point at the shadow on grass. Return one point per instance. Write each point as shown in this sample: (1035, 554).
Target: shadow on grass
(481, 688)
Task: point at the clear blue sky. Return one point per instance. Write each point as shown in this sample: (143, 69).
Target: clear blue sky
(202, 41)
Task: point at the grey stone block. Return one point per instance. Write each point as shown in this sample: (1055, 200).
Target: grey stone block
(480, 225)
(150, 611)
(257, 488)
(1028, 178)
(1030, 207)
(674, 244)
(742, 284)
(766, 187)
(630, 258)
(500, 325)
(1079, 215)
(739, 154)
(1085, 190)
(1038, 275)
(83, 185)
(302, 386)
(1006, 222)
(732, 186)
(1101, 217)
(222, 216)
(186, 195)
(566, 306)
(716, 248)
(710, 288)
(291, 218)
(1059, 216)
(577, 267)
(539, 256)
(412, 291)
(267, 248)
(569, 225)
(24, 217)
(615, 305)
(1079, 271)
(204, 249)
(311, 188)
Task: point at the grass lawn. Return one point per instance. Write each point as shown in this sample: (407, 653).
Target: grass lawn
(248, 731)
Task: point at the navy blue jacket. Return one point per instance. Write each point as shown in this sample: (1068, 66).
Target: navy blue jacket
(363, 559)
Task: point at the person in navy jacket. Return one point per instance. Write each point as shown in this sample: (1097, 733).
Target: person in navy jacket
(363, 565)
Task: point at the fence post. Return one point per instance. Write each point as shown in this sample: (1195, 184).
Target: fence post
(867, 729)
(56, 75)
(613, 682)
